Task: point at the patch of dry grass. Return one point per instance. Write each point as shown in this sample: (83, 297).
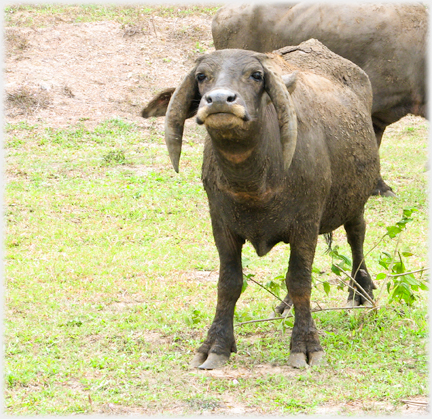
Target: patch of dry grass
(28, 100)
(16, 41)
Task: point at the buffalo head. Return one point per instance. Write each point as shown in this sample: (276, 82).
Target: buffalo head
(229, 90)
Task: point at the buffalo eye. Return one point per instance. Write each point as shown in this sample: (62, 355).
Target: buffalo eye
(201, 77)
(257, 76)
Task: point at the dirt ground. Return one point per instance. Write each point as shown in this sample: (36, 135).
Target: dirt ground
(95, 71)
(66, 73)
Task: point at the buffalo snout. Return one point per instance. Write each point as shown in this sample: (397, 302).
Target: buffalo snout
(222, 103)
(220, 97)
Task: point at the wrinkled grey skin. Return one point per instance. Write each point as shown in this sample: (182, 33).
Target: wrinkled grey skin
(388, 41)
(285, 159)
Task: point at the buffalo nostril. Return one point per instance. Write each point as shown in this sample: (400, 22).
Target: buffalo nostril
(220, 97)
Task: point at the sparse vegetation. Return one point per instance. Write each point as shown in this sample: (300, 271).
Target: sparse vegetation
(46, 14)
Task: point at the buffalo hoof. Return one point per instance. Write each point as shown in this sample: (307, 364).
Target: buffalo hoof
(316, 358)
(198, 359)
(389, 194)
(286, 312)
(382, 189)
(284, 307)
(352, 303)
(212, 362)
(276, 314)
(297, 360)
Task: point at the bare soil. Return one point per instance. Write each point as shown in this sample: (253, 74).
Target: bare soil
(69, 73)
(95, 71)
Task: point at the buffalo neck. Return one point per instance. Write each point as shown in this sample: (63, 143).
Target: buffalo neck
(249, 160)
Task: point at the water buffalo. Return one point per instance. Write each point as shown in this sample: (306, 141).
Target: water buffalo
(388, 41)
(290, 153)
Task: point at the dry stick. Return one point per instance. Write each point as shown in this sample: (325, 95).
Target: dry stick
(409, 273)
(348, 284)
(270, 319)
(263, 287)
(154, 27)
(365, 295)
(415, 402)
(358, 267)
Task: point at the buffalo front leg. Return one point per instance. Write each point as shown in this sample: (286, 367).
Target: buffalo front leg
(305, 346)
(220, 341)
(360, 290)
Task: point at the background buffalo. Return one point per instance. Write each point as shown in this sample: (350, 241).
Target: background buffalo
(388, 41)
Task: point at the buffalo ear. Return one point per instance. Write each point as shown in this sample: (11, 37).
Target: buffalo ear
(184, 102)
(290, 81)
(159, 104)
(282, 101)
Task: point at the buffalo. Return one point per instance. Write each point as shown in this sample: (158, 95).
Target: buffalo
(290, 154)
(388, 41)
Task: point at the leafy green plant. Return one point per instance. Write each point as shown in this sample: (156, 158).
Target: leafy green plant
(401, 284)
(194, 317)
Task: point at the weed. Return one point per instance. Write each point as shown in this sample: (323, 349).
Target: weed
(199, 403)
(115, 157)
(67, 91)
(401, 284)
(28, 100)
(199, 48)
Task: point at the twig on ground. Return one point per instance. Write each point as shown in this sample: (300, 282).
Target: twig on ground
(312, 311)
(415, 402)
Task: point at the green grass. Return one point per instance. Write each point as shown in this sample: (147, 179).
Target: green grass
(44, 14)
(107, 297)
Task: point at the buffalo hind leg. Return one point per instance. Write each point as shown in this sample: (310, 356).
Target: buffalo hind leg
(381, 187)
(305, 347)
(284, 307)
(355, 230)
(220, 341)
